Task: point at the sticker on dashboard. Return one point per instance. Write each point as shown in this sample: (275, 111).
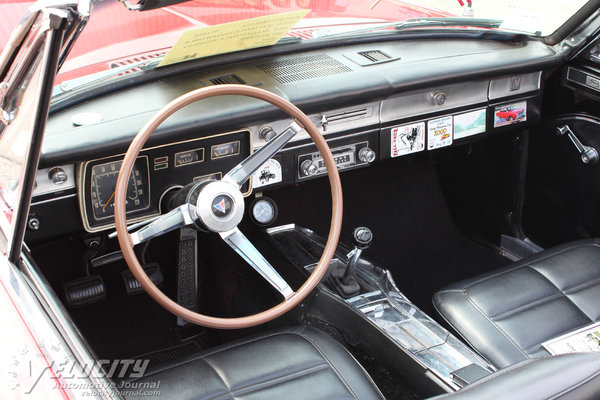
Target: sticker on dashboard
(469, 124)
(439, 132)
(510, 114)
(407, 139)
(269, 173)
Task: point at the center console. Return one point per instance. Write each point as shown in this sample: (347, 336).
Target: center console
(444, 359)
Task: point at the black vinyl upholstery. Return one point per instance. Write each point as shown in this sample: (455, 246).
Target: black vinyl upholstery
(507, 314)
(296, 363)
(567, 377)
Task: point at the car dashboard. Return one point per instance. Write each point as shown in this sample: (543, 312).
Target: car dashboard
(372, 101)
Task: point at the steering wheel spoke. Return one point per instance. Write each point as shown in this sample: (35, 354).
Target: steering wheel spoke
(240, 243)
(179, 217)
(244, 170)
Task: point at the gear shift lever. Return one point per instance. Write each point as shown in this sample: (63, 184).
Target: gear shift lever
(362, 238)
(347, 286)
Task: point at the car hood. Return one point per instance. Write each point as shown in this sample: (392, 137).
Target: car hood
(116, 36)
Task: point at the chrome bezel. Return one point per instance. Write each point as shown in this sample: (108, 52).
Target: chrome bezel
(204, 206)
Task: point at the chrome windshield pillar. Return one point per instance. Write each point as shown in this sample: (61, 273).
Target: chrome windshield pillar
(28, 65)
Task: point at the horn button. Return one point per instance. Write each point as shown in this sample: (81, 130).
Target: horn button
(220, 206)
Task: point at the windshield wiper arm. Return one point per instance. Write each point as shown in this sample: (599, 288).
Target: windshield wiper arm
(443, 21)
(426, 22)
(93, 79)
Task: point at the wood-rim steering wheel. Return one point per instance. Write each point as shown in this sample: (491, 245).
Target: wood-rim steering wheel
(220, 208)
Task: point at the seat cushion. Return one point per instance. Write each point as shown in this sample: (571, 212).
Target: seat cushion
(567, 377)
(296, 363)
(507, 314)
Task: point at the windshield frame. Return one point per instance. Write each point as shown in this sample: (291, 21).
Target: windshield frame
(585, 13)
(431, 30)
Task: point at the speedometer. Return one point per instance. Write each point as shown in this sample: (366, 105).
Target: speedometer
(103, 181)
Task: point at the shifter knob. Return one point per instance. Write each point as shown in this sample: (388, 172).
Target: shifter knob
(362, 237)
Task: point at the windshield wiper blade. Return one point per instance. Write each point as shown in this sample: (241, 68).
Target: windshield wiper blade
(425, 22)
(94, 79)
(444, 21)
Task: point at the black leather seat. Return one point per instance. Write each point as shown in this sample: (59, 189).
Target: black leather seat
(507, 314)
(302, 363)
(570, 376)
(297, 363)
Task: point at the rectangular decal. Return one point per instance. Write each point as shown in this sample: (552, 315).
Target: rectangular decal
(581, 340)
(407, 139)
(469, 124)
(439, 132)
(510, 114)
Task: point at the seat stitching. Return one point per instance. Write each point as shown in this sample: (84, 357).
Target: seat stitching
(510, 340)
(463, 336)
(280, 379)
(581, 286)
(527, 306)
(220, 377)
(187, 361)
(553, 254)
(318, 348)
(564, 294)
(279, 374)
(576, 385)
(365, 374)
(349, 355)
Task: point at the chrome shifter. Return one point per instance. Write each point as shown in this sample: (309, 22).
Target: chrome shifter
(346, 285)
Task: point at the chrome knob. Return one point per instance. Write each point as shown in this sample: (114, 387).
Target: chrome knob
(362, 237)
(58, 176)
(366, 155)
(439, 98)
(33, 224)
(308, 168)
(266, 133)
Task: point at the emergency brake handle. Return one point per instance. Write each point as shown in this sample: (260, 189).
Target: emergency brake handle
(588, 154)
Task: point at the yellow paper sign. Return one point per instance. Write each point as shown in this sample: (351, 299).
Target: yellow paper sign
(232, 36)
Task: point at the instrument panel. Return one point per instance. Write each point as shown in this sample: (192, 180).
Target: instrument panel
(156, 171)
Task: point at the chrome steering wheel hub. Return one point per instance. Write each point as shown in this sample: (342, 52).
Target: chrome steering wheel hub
(220, 206)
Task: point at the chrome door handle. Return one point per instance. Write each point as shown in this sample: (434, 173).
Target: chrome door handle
(589, 155)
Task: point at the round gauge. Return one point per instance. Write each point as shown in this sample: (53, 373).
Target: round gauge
(263, 211)
(104, 181)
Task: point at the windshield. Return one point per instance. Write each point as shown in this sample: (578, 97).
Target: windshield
(116, 37)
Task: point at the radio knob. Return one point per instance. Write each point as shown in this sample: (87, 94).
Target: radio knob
(308, 168)
(366, 155)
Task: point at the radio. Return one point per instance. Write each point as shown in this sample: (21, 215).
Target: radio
(348, 156)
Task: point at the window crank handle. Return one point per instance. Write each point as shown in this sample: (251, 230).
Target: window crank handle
(589, 155)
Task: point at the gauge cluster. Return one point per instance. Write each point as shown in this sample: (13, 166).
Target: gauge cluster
(156, 171)
(104, 181)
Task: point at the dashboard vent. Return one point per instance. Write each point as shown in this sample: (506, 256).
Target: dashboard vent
(371, 57)
(134, 60)
(303, 68)
(347, 115)
(228, 80)
(375, 56)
